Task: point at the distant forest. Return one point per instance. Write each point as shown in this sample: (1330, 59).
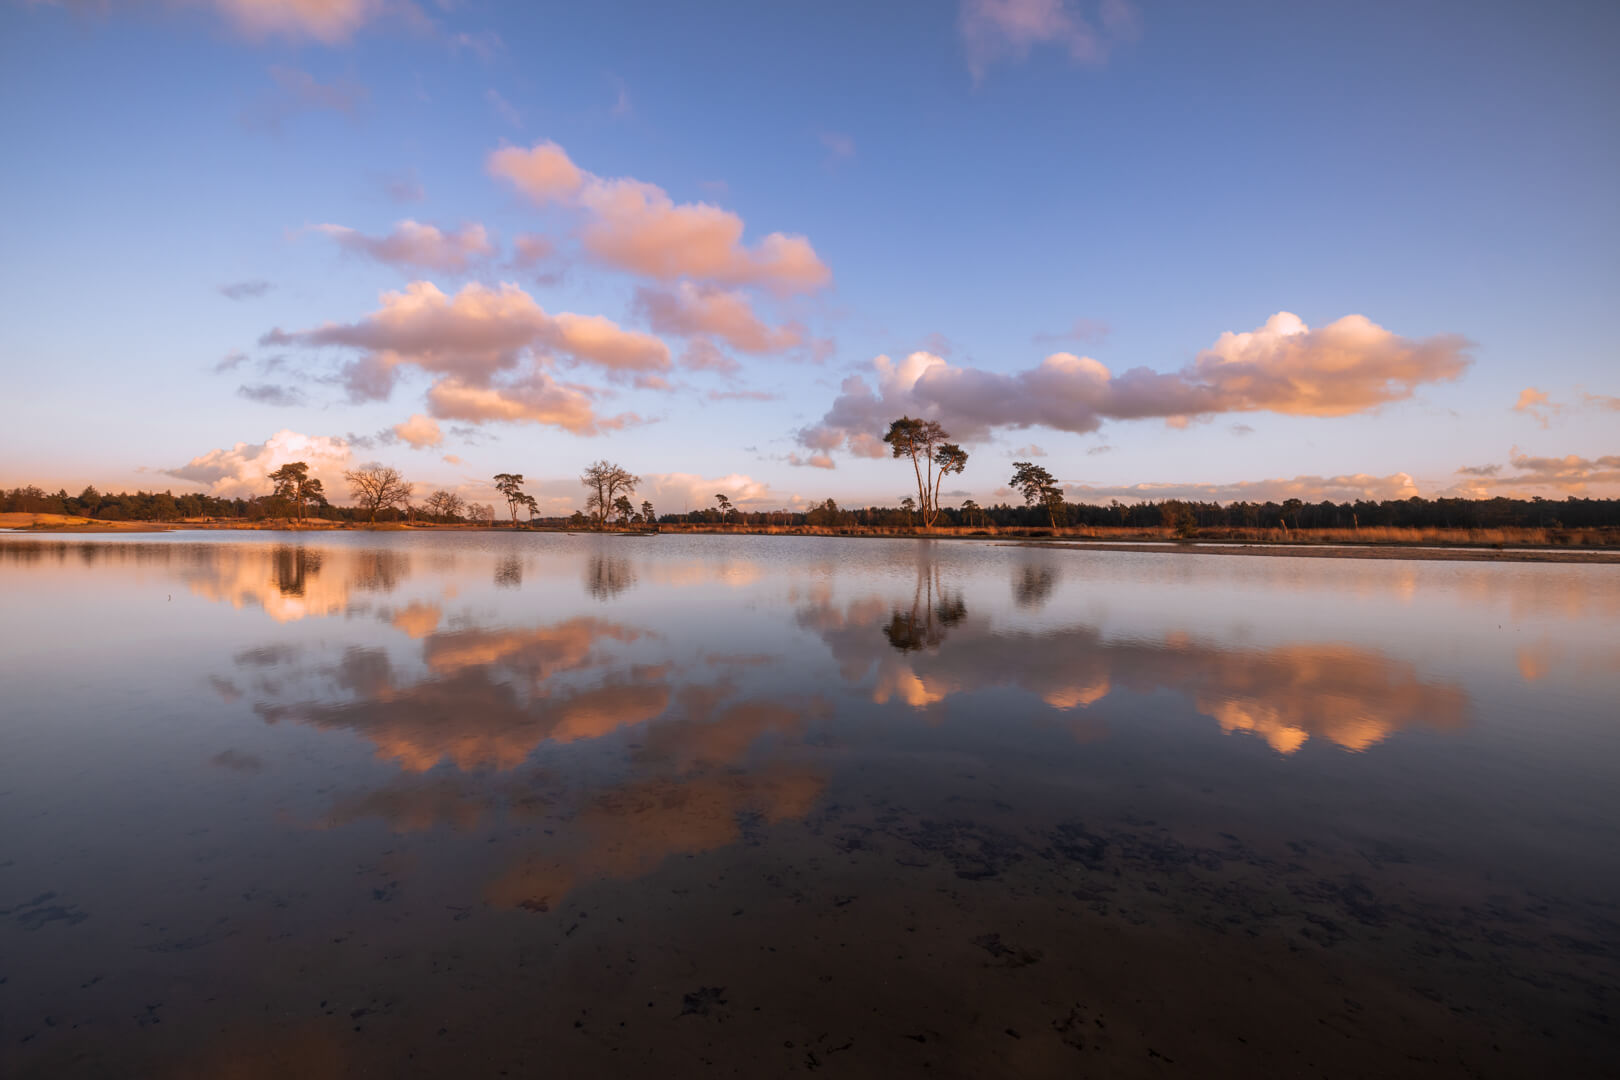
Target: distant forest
(1414, 512)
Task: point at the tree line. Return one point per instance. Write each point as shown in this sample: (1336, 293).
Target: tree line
(381, 494)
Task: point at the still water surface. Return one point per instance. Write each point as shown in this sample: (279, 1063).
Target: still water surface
(480, 804)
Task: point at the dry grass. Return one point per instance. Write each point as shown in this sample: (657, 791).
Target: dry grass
(1406, 537)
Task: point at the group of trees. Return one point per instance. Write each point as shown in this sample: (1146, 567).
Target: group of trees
(380, 493)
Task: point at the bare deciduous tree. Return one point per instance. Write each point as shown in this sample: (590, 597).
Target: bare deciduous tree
(445, 505)
(377, 487)
(606, 482)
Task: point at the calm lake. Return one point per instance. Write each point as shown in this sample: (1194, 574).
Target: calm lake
(483, 804)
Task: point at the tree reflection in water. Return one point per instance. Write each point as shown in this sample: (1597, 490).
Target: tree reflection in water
(293, 566)
(509, 573)
(1033, 585)
(924, 626)
(606, 576)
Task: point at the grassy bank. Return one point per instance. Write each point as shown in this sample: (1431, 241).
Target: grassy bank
(1548, 539)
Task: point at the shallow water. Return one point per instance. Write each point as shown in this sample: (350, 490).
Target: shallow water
(393, 803)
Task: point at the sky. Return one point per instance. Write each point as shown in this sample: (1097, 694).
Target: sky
(1215, 250)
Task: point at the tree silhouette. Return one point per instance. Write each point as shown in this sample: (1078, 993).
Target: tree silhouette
(510, 485)
(294, 484)
(1037, 485)
(377, 487)
(921, 441)
(606, 482)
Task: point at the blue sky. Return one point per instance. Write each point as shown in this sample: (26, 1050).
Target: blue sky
(975, 179)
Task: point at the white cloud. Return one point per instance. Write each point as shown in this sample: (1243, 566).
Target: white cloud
(243, 470)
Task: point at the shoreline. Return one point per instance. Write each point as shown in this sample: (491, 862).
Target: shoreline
(1324, 549)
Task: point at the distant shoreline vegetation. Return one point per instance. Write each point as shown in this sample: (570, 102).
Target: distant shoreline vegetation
(1573, 521)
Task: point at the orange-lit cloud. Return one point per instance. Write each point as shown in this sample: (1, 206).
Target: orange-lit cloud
(636, 226)
(1539, 404)
(1568, 475)
(687, 310)
(243, 470)
(476, 335)
(1349, 366)
(414, 245)
(535, 398)
(420, 431)
(480, 330)
(1533, 402)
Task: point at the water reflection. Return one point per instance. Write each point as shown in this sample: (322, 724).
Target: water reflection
(607, 577)
(1352, 697)
(1033, 584)
(843, 780)
(924, 623)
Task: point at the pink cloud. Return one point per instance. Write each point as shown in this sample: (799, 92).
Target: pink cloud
(420, 431)
(1349, 366)
(489, 347)
(327, 21)
(415, 245)
(687, 310)
(477, 332)
(1007, 30)
(703, 355)
(534, 398)
(530, 249)
(636, 226)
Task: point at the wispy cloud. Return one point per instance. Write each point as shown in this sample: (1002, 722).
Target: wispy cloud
(1568, 475)
(503, 108)
(1082, 331)
(1005, 31)
(297, 92)
(414, 245)
(251, 289)
(403, 187)
(840, 148)
(1539, 405)
(271, 394)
